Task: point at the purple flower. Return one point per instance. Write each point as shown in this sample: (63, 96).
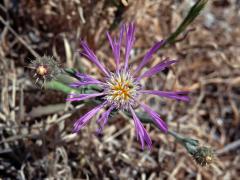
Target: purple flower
(122, 88)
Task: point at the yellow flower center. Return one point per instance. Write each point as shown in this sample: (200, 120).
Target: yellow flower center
(208, 159)
(41, 70)
(121, 89)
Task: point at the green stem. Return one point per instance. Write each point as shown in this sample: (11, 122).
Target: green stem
(191, 145)
(56, 85)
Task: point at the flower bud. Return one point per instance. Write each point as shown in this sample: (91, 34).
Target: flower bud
(203, 156)
(45, 68)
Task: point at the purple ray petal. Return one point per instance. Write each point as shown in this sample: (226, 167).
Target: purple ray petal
(88, 53)
(141, 131)
(103, 120)
(157, 68)
(84, 80)
(149, 54)
(79, 84)
(85, 77)
(80, 97)
(130, 38)
(179, 95)
(156, 118)
(80, 123)
(116, 47)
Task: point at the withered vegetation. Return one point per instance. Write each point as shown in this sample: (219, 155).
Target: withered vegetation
(36, 141)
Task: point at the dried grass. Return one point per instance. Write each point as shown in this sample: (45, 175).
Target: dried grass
(35, 144)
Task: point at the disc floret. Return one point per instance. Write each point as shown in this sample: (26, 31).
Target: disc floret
(121, 90)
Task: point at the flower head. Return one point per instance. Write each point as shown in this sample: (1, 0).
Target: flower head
(121, 89)
(45, 68)
(203, 156)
